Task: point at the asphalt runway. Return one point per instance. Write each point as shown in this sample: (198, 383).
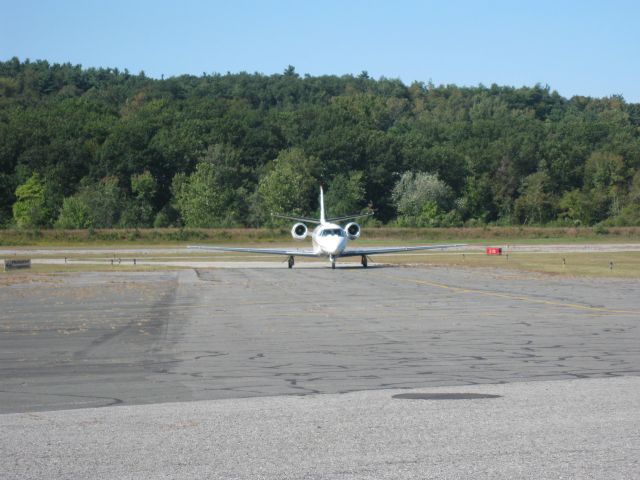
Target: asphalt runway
(95, 339)
(341, 342)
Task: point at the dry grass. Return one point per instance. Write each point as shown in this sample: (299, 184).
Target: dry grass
(592, 264)
(174, 236)
(595, 264)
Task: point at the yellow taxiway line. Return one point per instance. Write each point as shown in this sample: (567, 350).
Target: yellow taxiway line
(521, 298)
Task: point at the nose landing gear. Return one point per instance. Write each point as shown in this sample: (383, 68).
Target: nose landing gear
(332, 259)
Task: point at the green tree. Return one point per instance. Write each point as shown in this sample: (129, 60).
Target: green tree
(138, 211)
(415, 190)
(74, 214)
(95, 205)
(634, 190)
(207, 197)
(604, 178)
(629, 214)
(75, 126)
(105, 201)
(345, 195)
(476, 202)
(7, 191)
(536, 203)
(421, 199)
(290, 186)
(603, 170)
(577, 208)
(29, 210)
(144, 186)
(199, 198)
(429, 216)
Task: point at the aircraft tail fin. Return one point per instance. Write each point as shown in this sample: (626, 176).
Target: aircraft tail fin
(322, 216)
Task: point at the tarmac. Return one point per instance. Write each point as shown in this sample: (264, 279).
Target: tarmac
(278, 373)
(559, 429)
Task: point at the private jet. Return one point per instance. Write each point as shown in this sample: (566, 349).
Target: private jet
(329, 240)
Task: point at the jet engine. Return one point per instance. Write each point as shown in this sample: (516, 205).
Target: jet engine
(353, 230)
(299, 231)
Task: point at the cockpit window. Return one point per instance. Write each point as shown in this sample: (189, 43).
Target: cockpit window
(331, 232)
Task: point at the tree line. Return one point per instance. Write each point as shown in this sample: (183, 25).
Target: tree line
(102, 148)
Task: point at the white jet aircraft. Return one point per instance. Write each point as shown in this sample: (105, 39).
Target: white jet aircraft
(329, 240)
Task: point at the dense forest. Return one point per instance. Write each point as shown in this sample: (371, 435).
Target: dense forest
(100, 148)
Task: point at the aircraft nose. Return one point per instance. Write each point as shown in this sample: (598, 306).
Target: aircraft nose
(336, 246)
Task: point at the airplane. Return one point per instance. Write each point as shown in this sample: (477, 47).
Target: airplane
(329, 240)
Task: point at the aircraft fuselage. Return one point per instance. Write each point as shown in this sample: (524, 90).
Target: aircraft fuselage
(329, 240)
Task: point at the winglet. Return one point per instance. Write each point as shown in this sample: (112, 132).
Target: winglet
(322, 217)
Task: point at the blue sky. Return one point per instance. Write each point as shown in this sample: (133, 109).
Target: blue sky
(576, 47)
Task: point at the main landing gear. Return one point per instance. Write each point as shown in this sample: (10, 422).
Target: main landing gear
(291, 261)
(364, 261)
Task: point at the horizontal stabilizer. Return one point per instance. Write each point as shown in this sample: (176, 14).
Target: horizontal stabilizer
(349, 217)
(297, 219)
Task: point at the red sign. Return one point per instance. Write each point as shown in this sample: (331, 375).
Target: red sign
(494, 251)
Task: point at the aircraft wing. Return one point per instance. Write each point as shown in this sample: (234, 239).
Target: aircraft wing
(357, 252)
(269, 251)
